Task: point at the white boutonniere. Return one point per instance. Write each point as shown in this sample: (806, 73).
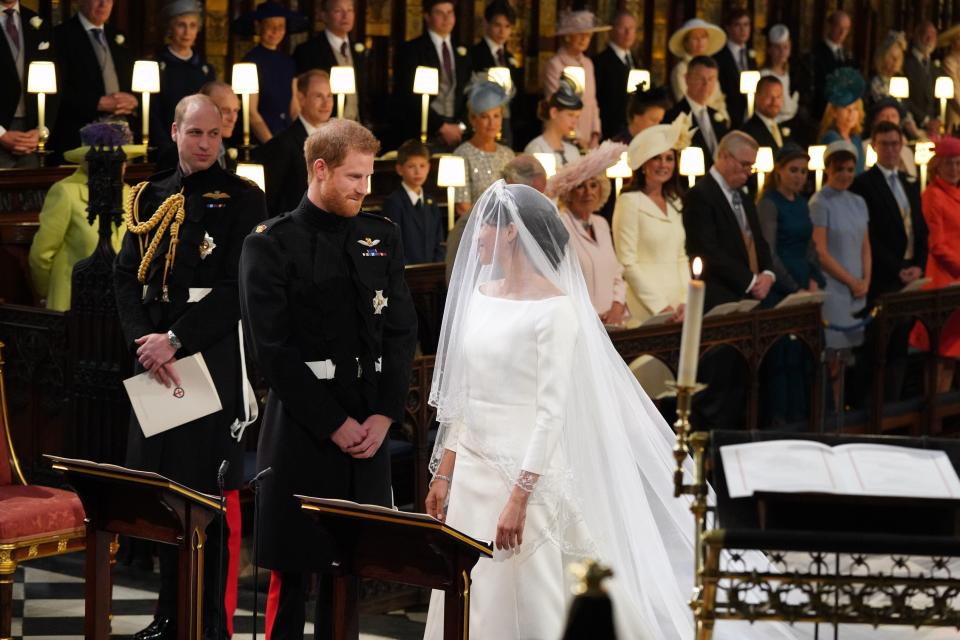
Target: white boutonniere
(785, 131)
(232, 153)
(119, 39)
(512, 61)
(461, 51)
(207, 245)
(162, 65)
(36, 21)
(205, 69)
(43, 46)
(359, 48)
(751, 53)
(718, 117)
(936, 63)
(911, 179)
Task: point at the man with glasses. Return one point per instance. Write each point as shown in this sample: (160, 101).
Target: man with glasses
(723, 229)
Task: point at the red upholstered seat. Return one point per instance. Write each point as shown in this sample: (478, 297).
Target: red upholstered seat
(32, 510)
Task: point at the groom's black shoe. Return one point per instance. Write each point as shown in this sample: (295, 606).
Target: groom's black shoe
(162, 628)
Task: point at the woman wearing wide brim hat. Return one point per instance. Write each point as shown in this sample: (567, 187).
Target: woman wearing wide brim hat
(65, 236)
(574, 31)
(695, 38)
(950, 40)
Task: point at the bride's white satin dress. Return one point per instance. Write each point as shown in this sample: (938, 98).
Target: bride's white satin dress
(518, 356)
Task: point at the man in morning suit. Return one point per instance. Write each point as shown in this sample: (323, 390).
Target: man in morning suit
(762, 126)
(285, 173)
(827, 56)
(27, 39)
(499, 19)
(94, 71)
(723, 229)
(898, 238)
(732, 60)
(921, 73)
(178, 300)
(332, 47)
(611, 68)
(435, 48)
(333, 329)
(711, 128)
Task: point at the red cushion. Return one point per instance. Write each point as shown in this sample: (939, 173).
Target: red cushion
(32, 510)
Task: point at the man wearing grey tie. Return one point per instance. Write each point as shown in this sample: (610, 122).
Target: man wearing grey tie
(94, 70)
(711, 127)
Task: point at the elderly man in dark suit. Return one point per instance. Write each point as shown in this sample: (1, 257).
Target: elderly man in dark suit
(27, 39)
(437, 48)
(921, 74)
(285, 173)
(612, 67)
(733, 59)
(701, 83)
(827, 56)
(94, 70)
(499, 19)
(332, 47)
(723, 229)
(898, 237)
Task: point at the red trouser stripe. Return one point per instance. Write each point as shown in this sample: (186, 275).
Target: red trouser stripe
(273, 602)
(233, 545)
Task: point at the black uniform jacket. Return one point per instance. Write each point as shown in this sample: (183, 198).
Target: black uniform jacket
(314, 287)
(285, 170)
(221, 208)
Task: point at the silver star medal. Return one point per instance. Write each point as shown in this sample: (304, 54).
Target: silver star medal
(379, 302)
(207, 246)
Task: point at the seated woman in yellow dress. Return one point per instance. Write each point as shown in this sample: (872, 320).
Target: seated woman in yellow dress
(65, 236)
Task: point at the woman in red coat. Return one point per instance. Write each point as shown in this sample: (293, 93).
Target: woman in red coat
(941, 209)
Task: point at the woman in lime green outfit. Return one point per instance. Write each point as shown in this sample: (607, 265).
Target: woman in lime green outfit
(65, 236)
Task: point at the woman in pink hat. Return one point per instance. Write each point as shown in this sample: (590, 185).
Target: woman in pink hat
(575, 29)
(941, 209)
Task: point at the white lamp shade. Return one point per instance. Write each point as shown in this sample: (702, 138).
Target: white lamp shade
(427, 80)
(748, 81)
(944, 88)
(620, 170)
(452, 172)
(816, 157)
(578, 76)
(42, 77)
(871, 157)
(548, 161)
(764, 162)
(500, 75)
(244, 80)
(637, 77)
(923, 153)
(146, 77)
(342, 80)
(692, 162)
(252, 172)
(899, 88)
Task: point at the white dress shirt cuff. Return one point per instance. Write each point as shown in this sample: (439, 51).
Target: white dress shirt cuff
(3, 131)
(753, 280)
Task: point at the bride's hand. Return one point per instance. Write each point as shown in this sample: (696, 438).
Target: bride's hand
(437, 499)
(512, 519)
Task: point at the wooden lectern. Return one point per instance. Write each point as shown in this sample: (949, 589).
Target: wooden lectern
(396, 546)
(144, 505)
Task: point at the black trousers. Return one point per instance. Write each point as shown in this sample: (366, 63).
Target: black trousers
(286, 614)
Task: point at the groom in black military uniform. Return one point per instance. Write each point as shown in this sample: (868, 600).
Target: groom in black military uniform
(177, 296)
(333, 329)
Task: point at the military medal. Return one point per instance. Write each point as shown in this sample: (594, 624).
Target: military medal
(371, 251)
(207, 245)
(379, 302)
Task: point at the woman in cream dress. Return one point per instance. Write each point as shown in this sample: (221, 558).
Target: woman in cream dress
(649, 238)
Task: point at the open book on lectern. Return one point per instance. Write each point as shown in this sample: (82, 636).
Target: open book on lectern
(806, 466)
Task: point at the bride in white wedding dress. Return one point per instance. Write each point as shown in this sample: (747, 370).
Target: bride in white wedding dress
(549, 447)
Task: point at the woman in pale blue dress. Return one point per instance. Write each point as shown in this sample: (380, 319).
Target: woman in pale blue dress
(840, 234)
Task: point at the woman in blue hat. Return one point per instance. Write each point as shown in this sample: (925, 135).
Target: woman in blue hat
(843, 117)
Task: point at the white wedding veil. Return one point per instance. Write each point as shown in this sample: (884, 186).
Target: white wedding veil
(612, 499)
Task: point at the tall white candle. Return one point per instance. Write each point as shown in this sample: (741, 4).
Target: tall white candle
(692, 323)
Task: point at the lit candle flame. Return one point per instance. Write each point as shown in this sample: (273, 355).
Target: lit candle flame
(697, 267)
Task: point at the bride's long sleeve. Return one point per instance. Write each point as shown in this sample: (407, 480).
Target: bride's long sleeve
(556, 335)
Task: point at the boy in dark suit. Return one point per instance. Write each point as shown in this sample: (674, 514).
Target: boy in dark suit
(499, 19)
(417, 214)
(732, 60)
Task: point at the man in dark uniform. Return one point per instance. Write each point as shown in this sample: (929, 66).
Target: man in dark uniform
(333, 329)
(179, 298)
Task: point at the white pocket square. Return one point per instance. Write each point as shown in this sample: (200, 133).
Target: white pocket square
(43, 46)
